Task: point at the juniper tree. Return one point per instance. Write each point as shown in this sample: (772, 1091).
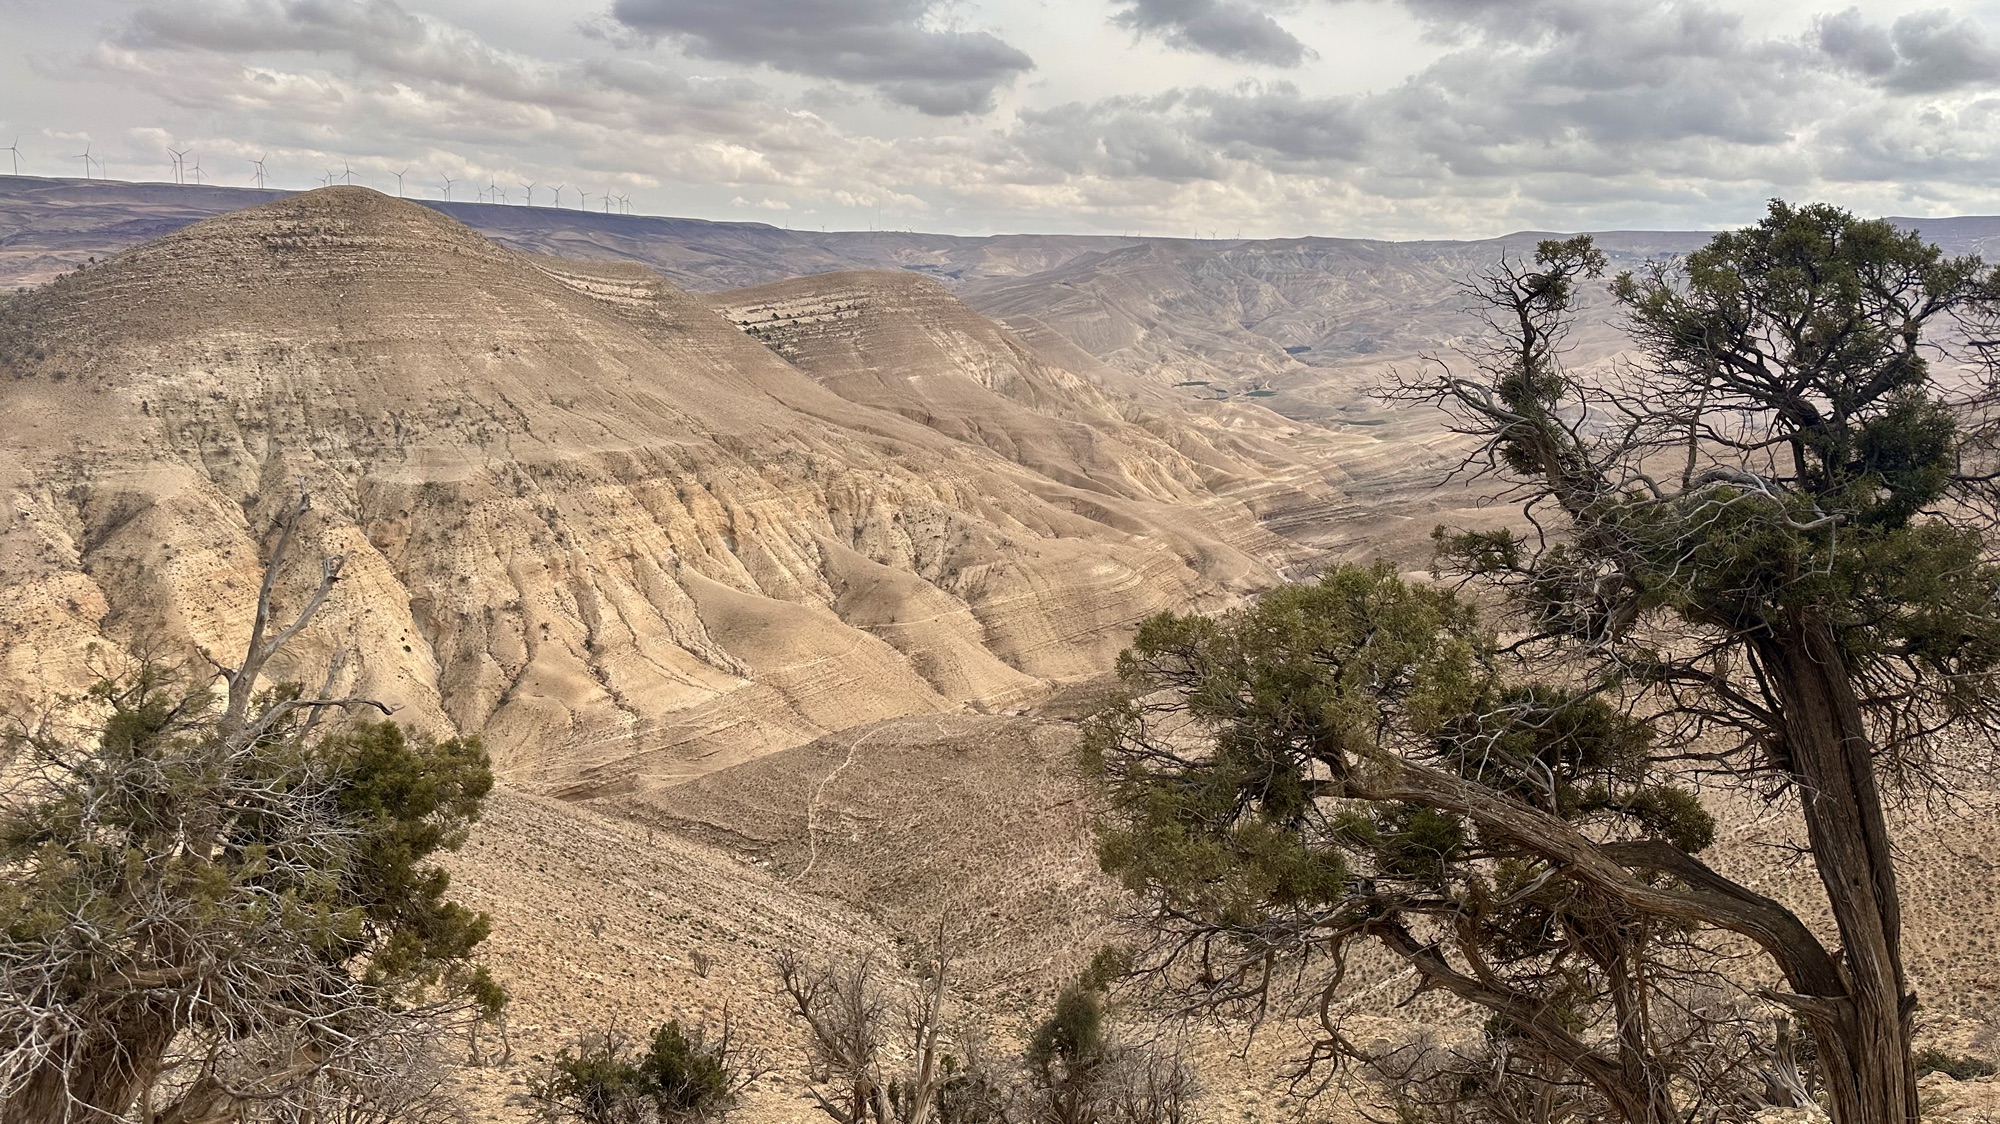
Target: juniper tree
(215, 904)
(1344, 764)
(1758, 557)
(1078, 1069)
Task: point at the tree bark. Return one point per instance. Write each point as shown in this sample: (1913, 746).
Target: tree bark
(96, 1080)
(1863, 1035)
(1648, 1090)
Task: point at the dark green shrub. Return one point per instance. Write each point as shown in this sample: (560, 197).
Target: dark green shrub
(683, 1077)
(687, 1077)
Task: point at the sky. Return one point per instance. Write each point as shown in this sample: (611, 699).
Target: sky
(1216, 118)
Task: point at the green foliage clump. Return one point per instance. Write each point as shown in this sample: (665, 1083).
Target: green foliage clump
(1072, 1037)
(411, 798)
(682, 1077)
(1346, 761)
(1250, 801)
(1079, 1070)
(336, 832)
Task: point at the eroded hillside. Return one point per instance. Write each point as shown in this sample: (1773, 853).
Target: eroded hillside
(583, 514)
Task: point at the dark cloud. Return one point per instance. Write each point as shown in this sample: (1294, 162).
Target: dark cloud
(1227, 29)
(1556, 110)
(1921, 53)
(885, 44)
(259, 25)
(1195, 135)
(380, 35)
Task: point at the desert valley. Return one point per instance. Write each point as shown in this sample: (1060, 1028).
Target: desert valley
(777, 571)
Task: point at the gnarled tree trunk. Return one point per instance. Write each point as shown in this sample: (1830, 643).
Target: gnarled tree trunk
(1863, 1036)
(96, 1080)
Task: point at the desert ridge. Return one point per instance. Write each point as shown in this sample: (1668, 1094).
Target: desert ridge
(585, 515)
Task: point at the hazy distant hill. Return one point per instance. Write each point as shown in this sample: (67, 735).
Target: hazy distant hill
(1255, 313)
(48, 225)
(1300, 326)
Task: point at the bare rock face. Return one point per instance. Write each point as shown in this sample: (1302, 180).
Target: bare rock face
(584, 515)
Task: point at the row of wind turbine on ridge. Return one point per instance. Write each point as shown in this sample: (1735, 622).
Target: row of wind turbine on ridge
(492, 193)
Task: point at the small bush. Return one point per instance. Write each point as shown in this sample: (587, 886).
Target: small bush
(1958, 1067)
(688, 1078)
(682, 1077)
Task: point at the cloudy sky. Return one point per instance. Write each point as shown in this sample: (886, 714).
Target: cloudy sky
(1269, 118)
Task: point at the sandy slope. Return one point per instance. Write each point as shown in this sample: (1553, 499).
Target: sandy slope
(873, 835)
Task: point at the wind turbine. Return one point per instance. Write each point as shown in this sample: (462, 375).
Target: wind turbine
(176, 157)
(528, 189)
(399, 182)
(582, 199)
(448, 181)
(493, 192)
(85, 157)
(259, 174)
(15, 150)
(606, 193)
(197, 169)
(346, 173)
(558, 193)
(624, 203)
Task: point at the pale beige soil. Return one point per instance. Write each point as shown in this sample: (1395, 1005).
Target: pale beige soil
(867, 838)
